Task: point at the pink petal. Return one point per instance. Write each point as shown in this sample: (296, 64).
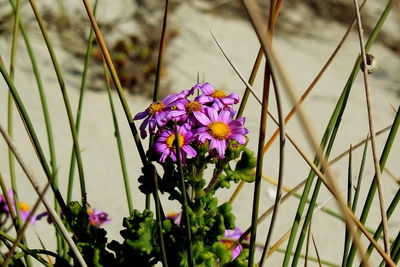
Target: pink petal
(212, 114)
(207, 89)
(225, 116)
(202, 118)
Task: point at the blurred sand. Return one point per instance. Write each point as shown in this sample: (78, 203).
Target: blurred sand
(194, 51)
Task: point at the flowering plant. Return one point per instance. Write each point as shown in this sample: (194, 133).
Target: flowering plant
(190, 131)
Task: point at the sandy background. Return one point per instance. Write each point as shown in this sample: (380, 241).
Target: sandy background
(194, 51)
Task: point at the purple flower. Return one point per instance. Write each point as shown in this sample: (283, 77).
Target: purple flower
(98, 217)
(165, 144)
(186, 112)
(219, 129)
(156, 114)
(217, 97)
(229, 240)
(24, 209)
(175, 217)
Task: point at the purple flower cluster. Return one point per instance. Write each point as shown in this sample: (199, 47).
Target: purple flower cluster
(205, 118)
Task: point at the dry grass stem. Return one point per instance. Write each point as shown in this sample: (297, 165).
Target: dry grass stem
(378, 176)
(257, 21)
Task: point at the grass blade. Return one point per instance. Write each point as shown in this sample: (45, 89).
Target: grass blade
(88, 53)
(119, 144)
(65, 98)
(371, 193)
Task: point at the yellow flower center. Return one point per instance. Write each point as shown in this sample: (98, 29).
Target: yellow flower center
(89, 211)
(23, 206)
(193, 106)
(156, 107)
(171, 140)
(219, 130)
(218, 94)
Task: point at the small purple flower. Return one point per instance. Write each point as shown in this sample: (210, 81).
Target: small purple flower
(175, 217)
(219, 129)
(186, 112)
(156, 114)
(98, 217)
(24, 209)
(165, 144)
(217, 97)
(229, 240)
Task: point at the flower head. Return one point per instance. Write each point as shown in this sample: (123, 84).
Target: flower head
(216, 97)
(98, 217)
(156, 114)
(166, 143)
(219, 128)
(229, 240)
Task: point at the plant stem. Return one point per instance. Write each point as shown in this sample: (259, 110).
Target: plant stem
(185, 204)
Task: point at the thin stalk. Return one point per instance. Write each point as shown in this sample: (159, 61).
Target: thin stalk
(257, 21)
(10, 126)
(282, 141)
(52, 213)
(49, 131)
(65, 98)
(339, 157)
(316, 250)
(89, 46)
(336, 117)
(159, 219)
(160, 58)
(378, 175)
(185, 204)
(160, 54)
(389, 213)
(32, 135)
(359, 179)
(300, 100)
(260, 157)
(119, 144)
(349, 200)
(117, 83)
(354, 202)
(372, 189)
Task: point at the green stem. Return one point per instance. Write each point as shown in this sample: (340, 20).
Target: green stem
(336, 117)
(373, 186)
(32, 135)
(65, 98)
(79, 109)
(184, 200)
(119, 144)
(159, 220)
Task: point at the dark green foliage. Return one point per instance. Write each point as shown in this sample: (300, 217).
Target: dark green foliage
(90, 240)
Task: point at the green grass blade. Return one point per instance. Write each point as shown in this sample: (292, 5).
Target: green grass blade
(355, 200)
(335, 118)
(347, 235)
(119, 143)
(79, 109)
(65, 98)
(372, 190)
(32, 135)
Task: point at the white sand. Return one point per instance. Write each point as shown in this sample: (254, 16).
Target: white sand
(195, 51)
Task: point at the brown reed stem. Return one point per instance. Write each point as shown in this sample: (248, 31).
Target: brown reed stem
(378, 175)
